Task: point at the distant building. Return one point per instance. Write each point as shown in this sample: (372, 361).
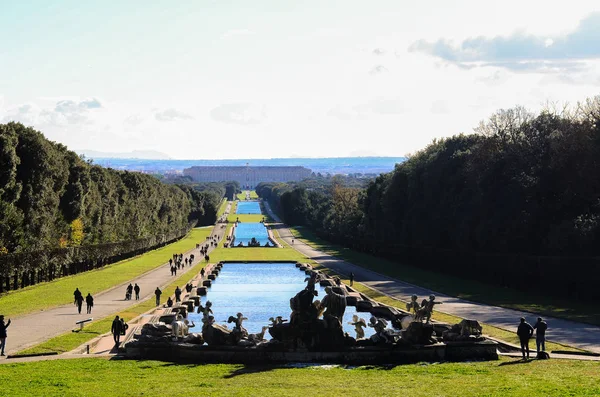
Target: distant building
(247, 176)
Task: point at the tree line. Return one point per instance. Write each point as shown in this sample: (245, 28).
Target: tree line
(52, 198)
(517, 203)
(61, 214)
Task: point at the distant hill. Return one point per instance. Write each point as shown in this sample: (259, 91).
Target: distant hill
(136, 154)
(333, 165)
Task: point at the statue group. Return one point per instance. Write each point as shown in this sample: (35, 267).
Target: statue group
(316, 325)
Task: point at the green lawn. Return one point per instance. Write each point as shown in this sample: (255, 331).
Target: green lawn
(60, 291)
(258, 254)
(242, 196)
(71, 340)
(461, 288)
(222, 208)
(101, 377)
(246, 218)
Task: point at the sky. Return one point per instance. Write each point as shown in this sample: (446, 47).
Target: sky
(209, 79)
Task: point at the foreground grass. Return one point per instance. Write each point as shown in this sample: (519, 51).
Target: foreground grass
(461, 288)
(60, 291)
(101, 377)
(71, 340)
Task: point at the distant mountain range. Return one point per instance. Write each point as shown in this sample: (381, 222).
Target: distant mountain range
(333, 165)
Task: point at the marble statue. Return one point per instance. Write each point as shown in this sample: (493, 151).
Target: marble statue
(382, 334)
(427, 308)
(259, 337)
(313, 279)
(180, 327)
(206, 310)
(238, 328)
(359, 324)
(335, 307)
(276, 321)
(413, 306)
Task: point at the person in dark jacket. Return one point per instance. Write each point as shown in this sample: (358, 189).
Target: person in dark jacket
(136, 289)
(177, 294)
(89, 300)
(79, 302)
(158, 293)
(116, 329)
(3, 327)
(524, 332)
(540, 334)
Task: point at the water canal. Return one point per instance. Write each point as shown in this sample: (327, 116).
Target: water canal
(260, 291)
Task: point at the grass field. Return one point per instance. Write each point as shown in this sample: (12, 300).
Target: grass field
(71, 340)
(461, 288)
(242, 196)
(222, 208)
(100, 377)
(257, 254)
(245, 218)
(60, 291)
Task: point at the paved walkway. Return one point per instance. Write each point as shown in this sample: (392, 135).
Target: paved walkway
(567, 332)
(32, 329)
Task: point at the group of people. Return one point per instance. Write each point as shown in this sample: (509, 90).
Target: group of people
(78, 301)
(119, 327)
(178, 262)
(525, 332)
(129, 291)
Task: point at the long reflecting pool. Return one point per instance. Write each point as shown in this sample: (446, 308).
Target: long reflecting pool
(261, 291)
(244, 232)
(248, 207)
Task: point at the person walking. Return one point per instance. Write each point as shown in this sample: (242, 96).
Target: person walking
(136, 289)
(116, 329)
(76, 294)
(89, 300)
(524, 332)
(124, 326)
(177, 294)
(129, 292)
(158, 293)
(79, 302)
(3, 327)
(540, 334)
(351, 278)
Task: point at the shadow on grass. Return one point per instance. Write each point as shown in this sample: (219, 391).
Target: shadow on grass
(520, 361)
(252, 369)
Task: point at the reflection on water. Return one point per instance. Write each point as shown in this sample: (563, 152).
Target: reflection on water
(248, 207)
(245, 231)
(261, 291)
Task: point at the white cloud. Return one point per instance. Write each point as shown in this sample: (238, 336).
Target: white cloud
(521, 51)
(378, 69)
(172, 114)
(63, 112)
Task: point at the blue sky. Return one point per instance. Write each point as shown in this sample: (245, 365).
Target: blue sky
(227, 79)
